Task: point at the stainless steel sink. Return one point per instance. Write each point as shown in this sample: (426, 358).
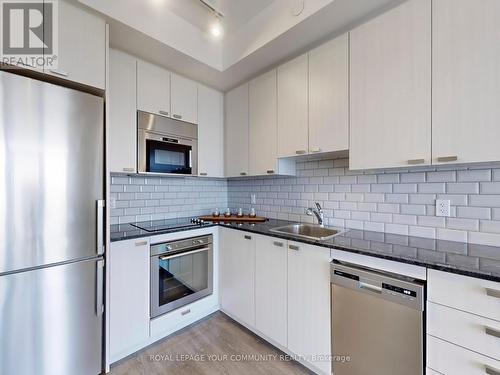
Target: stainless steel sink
(309, 231)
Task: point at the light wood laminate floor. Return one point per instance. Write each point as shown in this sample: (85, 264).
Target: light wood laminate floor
(219, 343)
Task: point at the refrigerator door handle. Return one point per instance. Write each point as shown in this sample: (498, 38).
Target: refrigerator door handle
(99, 294)
(100, 226)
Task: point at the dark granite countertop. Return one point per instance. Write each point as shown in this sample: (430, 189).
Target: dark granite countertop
(462, 258)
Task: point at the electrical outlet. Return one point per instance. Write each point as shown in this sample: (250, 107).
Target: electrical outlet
(112, 202)
(253, 199)
(443, 207)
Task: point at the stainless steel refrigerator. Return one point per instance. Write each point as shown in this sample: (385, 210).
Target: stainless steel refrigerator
(51, 241)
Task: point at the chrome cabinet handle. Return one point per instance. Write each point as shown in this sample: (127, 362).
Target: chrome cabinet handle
(447, 159)
(167, 257)
(142, 243)
(165, 113)
(185, 312)
(416, 161)
(177, 116)
(100, 226)
(493, 293)
(492, 332)
(277, 243)
(293, 247)
(491, 371)
(315, 149)
(128, 169)
(247, 237)
(99, 295)
(300, 152)
(59, 73)
(243, 173)
(270, 171)
(203, 173)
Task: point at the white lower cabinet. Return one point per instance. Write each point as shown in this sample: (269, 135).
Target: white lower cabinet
(450, 359)
(271, 288)
(309, 304)
(238, 275)
(291, 285)
(129, 297)
(463, 325)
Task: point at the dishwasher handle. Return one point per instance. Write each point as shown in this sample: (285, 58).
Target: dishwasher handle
(370, 287)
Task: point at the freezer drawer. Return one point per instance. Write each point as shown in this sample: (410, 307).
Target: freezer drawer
(51, 320)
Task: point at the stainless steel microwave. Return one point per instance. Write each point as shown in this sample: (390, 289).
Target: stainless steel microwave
(165, 145)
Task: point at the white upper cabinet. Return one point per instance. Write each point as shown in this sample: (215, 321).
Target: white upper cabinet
(329, 96)
(184, 96)
(121, 107)
(390, 78)
(293, 107)
(153, 89)
(236, 131)
(466, 81)
(262, 125)
(82, 46)
(210, 132)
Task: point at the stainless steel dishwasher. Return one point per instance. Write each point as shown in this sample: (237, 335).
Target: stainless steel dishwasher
(377, 322)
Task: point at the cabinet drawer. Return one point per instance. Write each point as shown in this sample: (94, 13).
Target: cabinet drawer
(449, 359)
(470, 331)
(429, 371)
(477, 296)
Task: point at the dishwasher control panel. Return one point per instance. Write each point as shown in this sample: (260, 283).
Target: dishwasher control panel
(391, 287)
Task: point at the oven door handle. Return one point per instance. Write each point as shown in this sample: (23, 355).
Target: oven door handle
(167, 257)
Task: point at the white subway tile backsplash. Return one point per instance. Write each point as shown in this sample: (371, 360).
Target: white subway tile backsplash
(474, 212)
(474, 175)
(412, 177)
(413, 209)
(484, 200)
(431, 221)
(490, 187)
(432, 188)
(452, 235)
(462, 188)
(463, 224)
(441, 176)
(394, 201)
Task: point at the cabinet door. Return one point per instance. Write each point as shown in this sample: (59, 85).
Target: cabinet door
(210, 132)
(292, 107)
(82, 46)
(271, 288)
(153, 89)
(122, 112)
(391, 89)
(329, 96)
(236, 131)
(129, 297)
(466, 81)
(262, 125)
(238, 275)
(184, 99)
(309, 302)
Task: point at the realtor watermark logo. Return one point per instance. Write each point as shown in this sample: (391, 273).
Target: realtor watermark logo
(29, 33)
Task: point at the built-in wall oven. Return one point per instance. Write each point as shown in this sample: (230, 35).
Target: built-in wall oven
(165, 145)
(181, 273)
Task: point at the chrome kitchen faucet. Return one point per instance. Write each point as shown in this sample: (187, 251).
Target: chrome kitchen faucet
(318, 212)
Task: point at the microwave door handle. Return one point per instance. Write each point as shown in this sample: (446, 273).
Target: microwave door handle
(167, 257)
